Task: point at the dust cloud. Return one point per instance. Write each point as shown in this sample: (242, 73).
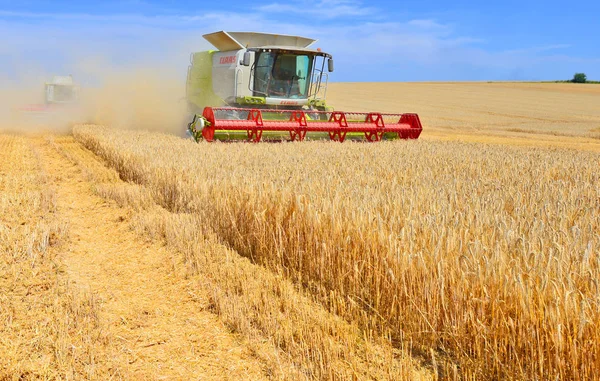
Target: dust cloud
(137, 90)
(133, 98)
(138, 98)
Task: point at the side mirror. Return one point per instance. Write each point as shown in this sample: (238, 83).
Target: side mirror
(247, 58)
(330, 65)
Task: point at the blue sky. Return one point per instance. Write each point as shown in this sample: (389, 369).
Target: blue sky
(376, 40)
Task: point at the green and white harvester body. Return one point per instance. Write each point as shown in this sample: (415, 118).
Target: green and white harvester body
(260, 84)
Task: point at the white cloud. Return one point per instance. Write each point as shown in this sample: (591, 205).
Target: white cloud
(538, 49)
(428, 24)
(324, 9)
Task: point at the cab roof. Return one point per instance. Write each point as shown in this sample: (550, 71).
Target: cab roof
(287, 49)
(64, 80)
(226, 41)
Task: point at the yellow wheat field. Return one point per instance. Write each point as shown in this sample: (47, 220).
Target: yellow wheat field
(471, 253)
(483, 259)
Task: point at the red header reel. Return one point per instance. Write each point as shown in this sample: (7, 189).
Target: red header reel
(298, 123)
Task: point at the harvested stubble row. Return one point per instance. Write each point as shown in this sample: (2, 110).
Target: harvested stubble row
(485, 256)
(47, 330)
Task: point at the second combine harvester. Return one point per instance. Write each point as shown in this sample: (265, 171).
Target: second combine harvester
(275, 85)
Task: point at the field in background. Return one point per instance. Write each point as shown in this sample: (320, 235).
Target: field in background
(471, 253)
(532, 114)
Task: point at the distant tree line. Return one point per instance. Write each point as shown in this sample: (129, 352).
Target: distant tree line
(579, 78)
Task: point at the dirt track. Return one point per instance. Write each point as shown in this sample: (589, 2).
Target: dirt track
(161, 325)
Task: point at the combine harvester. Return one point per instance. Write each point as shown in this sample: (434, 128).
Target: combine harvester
(61, 97)
(274, 86)
(59, 93)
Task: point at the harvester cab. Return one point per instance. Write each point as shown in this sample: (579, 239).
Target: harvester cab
(273, 84)
(61, 90)
(258, 70)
